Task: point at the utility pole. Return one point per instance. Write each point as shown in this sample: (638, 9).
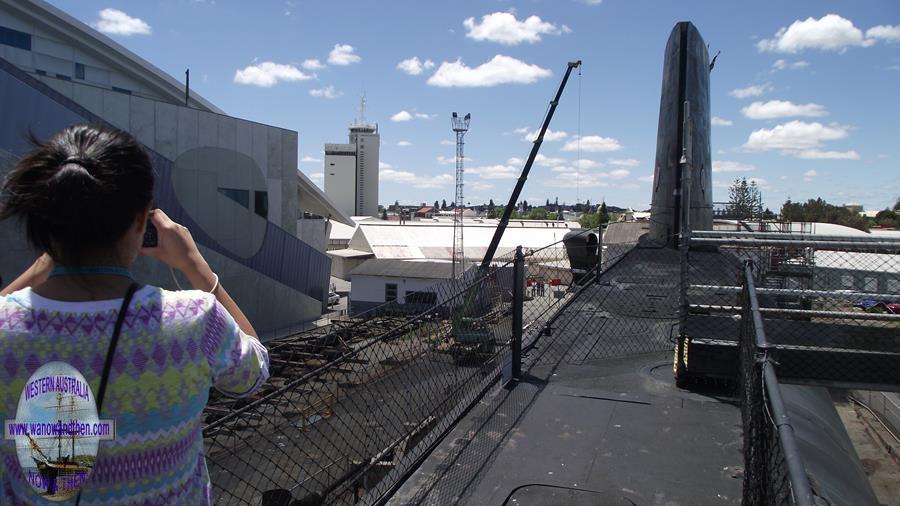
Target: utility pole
(460, 126)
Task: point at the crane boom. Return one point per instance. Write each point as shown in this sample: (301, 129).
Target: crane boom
(507, 211)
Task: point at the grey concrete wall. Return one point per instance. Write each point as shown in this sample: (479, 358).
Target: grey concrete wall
(173, 131)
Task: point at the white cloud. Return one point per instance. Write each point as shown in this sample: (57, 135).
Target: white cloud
(624, 162)
(576, 179)
(515, 161)
(592, 2)
(312, 64)
(446, 142)
(729, 166)
(503, 27)
(446, 160)
(754, 90)
(415, 180)
(116, 22)
(317, 177)
(404, 143)
(310, 159)
(646, 179)
(422, 115)
(781, 109)
(343, 54)
(545, 161)
(495, 172)
(587, 164)
(830, 32)
(815, 154)
(479, 186)
(593, 144)
(884, 32)
(717, 121)
(327, 92)
(809, 175)
(520, 130)
(384, 165)
(784, 64)
(413, 66)
(401, 116)
(549, 135)
(498, 70)
(268, 74)
(794, 137)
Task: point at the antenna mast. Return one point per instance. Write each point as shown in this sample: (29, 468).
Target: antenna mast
(460, 126)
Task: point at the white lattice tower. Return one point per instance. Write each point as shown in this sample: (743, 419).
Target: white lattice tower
(460, 127)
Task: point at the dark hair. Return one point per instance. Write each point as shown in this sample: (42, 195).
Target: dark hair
(78, 191)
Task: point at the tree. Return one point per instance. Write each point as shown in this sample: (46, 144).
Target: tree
(897, 205)
(817, 210)
(384, 214)
(536, 213)
(525, 205)
(396, 204)
(604, 214)
(547, 205)
(491, 203)
(744, 200)
(589, 220)
(436, 206)
(444, 205)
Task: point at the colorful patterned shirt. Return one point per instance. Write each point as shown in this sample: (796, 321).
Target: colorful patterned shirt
(172, 348)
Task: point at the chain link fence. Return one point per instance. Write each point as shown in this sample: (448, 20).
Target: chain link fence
(831, 306)
(352, 406)
(773, 471)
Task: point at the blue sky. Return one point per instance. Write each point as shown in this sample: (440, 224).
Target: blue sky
(806, 91)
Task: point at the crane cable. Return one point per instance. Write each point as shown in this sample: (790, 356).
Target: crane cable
(578, 139)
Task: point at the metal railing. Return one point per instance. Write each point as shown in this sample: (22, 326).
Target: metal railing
(353, 406)
(773, 469)
(830, 304)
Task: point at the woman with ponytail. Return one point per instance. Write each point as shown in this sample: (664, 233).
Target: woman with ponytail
(147, 356)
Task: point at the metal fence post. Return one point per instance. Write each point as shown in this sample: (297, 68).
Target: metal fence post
(518, 303)
(599, 251)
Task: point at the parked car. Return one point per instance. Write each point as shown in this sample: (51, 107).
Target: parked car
(333, 298)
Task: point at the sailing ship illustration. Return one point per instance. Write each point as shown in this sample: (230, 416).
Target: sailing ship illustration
(62, 476)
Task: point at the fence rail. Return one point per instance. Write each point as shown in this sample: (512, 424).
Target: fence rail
(352, 406)
(773, 471)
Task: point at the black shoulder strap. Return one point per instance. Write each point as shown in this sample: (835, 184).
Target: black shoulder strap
(112, 344)
(114, 340)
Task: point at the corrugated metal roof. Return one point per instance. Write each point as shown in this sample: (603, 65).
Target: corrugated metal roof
(349, 253)
(858, 261)
(435, 240)
(428, 269)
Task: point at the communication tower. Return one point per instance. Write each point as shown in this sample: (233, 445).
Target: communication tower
(460, 126)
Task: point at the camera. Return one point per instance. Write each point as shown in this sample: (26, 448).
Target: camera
(151, 238)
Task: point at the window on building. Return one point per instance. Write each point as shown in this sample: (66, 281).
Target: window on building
(261, 204)
(870, 284)
(847, 281)
(893, 285)
(390, 292)
(121, 90)
(242, 197)
(15, 38)
(429, 298)
(79, 71)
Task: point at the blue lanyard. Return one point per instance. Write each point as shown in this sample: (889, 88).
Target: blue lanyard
(109, 270)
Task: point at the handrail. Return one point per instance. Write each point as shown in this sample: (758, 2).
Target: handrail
(796, 472)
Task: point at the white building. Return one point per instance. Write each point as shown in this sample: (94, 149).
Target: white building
(351, 171)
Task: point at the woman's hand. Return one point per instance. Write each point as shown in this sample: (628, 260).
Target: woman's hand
(33, 276)
(176, 248)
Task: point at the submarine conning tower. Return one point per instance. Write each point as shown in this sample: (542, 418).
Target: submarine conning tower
(685, 79)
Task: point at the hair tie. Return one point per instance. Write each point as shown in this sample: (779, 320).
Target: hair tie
(76, 160)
